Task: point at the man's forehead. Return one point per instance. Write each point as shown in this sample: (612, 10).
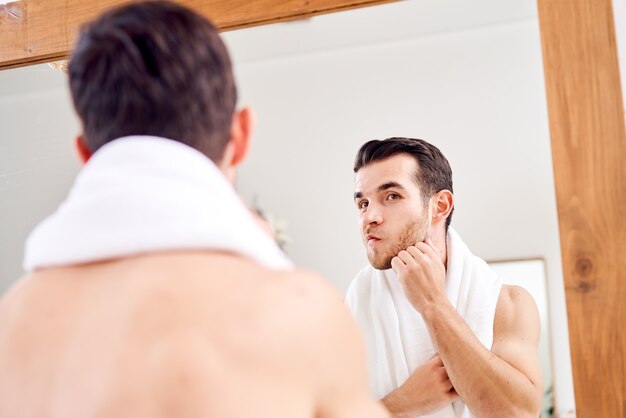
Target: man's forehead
(400, 169)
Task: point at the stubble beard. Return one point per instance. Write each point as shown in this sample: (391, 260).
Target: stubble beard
(410, 235)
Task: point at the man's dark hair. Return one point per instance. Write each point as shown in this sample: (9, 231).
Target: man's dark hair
(433, 169)
(153, 68)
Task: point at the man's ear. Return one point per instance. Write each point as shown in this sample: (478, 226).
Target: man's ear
(82, 150)
(240, 134)
(443, 203)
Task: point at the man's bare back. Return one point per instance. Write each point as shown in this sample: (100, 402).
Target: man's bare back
(226, 331)
(179, 335)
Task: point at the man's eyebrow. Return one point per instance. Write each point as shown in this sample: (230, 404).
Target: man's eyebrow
(382, 187)
(390, 185)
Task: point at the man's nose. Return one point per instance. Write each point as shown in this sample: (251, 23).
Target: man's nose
(372, 215)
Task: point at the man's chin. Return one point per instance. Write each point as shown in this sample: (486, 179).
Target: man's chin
(380, 264)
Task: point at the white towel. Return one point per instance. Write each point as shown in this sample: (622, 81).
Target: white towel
(144, 194)
(395, 333)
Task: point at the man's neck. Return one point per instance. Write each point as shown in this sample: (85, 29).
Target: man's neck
(440, 241)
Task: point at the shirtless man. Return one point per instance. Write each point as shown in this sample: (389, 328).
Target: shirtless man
(166, 330)
(445, 338)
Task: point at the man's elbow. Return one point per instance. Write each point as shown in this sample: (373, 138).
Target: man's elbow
(529, 409)
(527, 412)
(511, 413)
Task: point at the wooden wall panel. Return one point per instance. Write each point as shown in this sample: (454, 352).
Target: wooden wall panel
(33, 31)
(589, 154)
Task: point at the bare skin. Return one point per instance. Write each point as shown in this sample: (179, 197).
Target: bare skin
(502, 382)
(179, 335)
(404, 232)
(427, 390)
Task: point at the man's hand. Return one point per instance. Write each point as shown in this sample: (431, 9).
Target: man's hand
(422, 275)
(426, 391)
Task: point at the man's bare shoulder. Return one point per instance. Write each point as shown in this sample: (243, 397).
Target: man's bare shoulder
(225, 276)
(314, 304)
(292, 304)
(516, 327)
(303, 285)
(305, 282)
(17, 300)
(286, 322)
(210, 320)
(516, 333)
(514, 303)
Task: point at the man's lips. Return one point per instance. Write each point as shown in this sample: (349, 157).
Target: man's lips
(372, 238)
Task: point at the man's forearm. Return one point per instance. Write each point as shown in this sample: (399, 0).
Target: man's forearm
(394, 406)
(488, 385)
(427, 390)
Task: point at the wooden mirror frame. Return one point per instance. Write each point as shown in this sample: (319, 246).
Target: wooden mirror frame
(586, 116)
(587, 133)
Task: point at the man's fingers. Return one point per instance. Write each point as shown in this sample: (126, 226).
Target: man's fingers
(426, 249)
(397, 264)
(433, 249)
(406, 257)
(414, 251)
(436, 360)
(421, 257)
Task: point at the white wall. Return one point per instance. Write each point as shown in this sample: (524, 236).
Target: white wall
(619, 19)
(37, 163)
(465, 75)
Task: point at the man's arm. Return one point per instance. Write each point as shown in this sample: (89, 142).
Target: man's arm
(502, 382)
(426, 391)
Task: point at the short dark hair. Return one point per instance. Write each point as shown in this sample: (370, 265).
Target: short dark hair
(433, 169)
(153, 68)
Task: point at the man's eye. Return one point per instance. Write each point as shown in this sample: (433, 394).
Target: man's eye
(362, 204)
(393, 196)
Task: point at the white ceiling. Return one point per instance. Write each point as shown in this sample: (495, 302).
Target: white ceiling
(354, 28)
(370, 25)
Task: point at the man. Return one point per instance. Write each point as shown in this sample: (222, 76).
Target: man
(444, 337)
(152, 291)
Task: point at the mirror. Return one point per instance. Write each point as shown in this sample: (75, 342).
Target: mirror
(469, 81)
(37, 162)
